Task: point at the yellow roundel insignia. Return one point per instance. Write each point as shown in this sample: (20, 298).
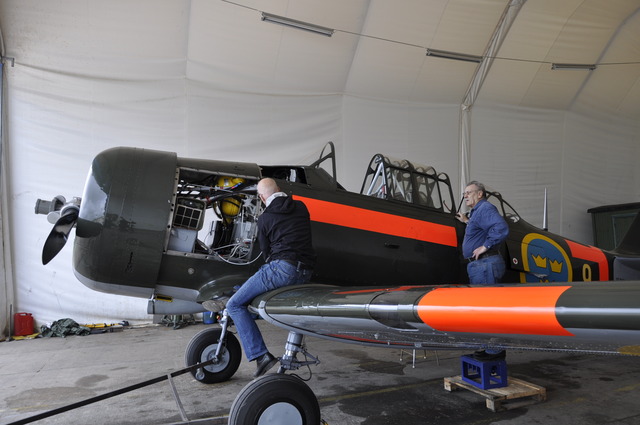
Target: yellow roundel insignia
(544, 260)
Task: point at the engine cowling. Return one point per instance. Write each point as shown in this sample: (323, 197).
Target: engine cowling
(124, 220)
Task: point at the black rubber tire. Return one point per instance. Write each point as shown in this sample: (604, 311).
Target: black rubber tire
(203, 346)
(275, 399)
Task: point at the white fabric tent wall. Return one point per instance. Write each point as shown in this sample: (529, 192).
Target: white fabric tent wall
(600, 167)
(422, 133)
(583, 161)
(93, 75)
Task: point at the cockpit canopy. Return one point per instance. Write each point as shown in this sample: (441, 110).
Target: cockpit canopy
(400, 180)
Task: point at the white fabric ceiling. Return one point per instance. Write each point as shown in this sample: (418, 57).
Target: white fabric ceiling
(378, 50)
(209, 78)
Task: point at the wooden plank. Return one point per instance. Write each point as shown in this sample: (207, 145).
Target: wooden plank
(504, 398)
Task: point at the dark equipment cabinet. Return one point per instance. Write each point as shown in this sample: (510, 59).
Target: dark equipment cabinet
(611, 222)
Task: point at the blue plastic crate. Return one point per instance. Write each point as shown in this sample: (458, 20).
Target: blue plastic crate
(484, 374)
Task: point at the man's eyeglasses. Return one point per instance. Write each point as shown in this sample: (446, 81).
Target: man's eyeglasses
(469, 192)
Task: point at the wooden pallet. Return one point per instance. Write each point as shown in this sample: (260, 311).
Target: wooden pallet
(518, 393)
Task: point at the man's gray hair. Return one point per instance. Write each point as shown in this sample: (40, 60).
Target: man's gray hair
(480, 186)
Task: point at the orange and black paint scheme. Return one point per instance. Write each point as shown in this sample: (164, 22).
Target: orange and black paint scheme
(587, 317)
(389, 269)
(140, 231)
(417, 240)
(427, 249)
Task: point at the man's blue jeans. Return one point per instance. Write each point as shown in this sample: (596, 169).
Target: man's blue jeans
(486, 271)
(270, 276)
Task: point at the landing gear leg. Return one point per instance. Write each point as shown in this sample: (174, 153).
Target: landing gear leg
(295, 345)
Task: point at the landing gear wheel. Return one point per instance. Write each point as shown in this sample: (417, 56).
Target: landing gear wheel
(202, 347)
(274, 400)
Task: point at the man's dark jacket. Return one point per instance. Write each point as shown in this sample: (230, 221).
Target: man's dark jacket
(284, 232)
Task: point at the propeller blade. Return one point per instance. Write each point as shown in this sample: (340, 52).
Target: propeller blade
(59, 234)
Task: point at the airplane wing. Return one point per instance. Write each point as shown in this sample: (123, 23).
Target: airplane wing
(594, 317)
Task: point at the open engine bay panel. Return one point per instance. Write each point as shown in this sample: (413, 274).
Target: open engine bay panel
(214, 216)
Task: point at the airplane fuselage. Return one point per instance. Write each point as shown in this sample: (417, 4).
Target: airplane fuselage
(182, 231)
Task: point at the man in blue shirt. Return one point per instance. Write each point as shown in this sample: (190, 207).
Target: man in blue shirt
(486, 230)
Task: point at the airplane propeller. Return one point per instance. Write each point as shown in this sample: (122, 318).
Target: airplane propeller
(65, 216)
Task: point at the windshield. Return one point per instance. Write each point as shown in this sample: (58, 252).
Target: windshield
(503, 206)
(400, 180)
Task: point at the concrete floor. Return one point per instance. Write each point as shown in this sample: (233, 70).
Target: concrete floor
(354, 385)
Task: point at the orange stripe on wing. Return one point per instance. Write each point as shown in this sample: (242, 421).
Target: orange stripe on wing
(374, 221)
(497, 310)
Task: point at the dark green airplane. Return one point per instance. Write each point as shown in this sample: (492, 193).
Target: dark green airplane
(181, 232)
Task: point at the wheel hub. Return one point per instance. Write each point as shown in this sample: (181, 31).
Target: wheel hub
(219, 363)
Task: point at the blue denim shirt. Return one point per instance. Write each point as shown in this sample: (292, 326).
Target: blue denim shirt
(485, 227)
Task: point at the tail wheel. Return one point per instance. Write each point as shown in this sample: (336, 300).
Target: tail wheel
(275, 399)
(203, 346)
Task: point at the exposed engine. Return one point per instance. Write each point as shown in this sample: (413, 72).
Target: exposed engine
(214, 215)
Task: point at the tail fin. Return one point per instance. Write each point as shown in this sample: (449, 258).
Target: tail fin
(630, 245)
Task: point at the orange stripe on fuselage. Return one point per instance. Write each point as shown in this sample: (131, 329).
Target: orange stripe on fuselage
(494, 310)
(374, 221)
(590, 253)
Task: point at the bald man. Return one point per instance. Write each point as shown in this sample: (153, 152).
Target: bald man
(284, 235)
